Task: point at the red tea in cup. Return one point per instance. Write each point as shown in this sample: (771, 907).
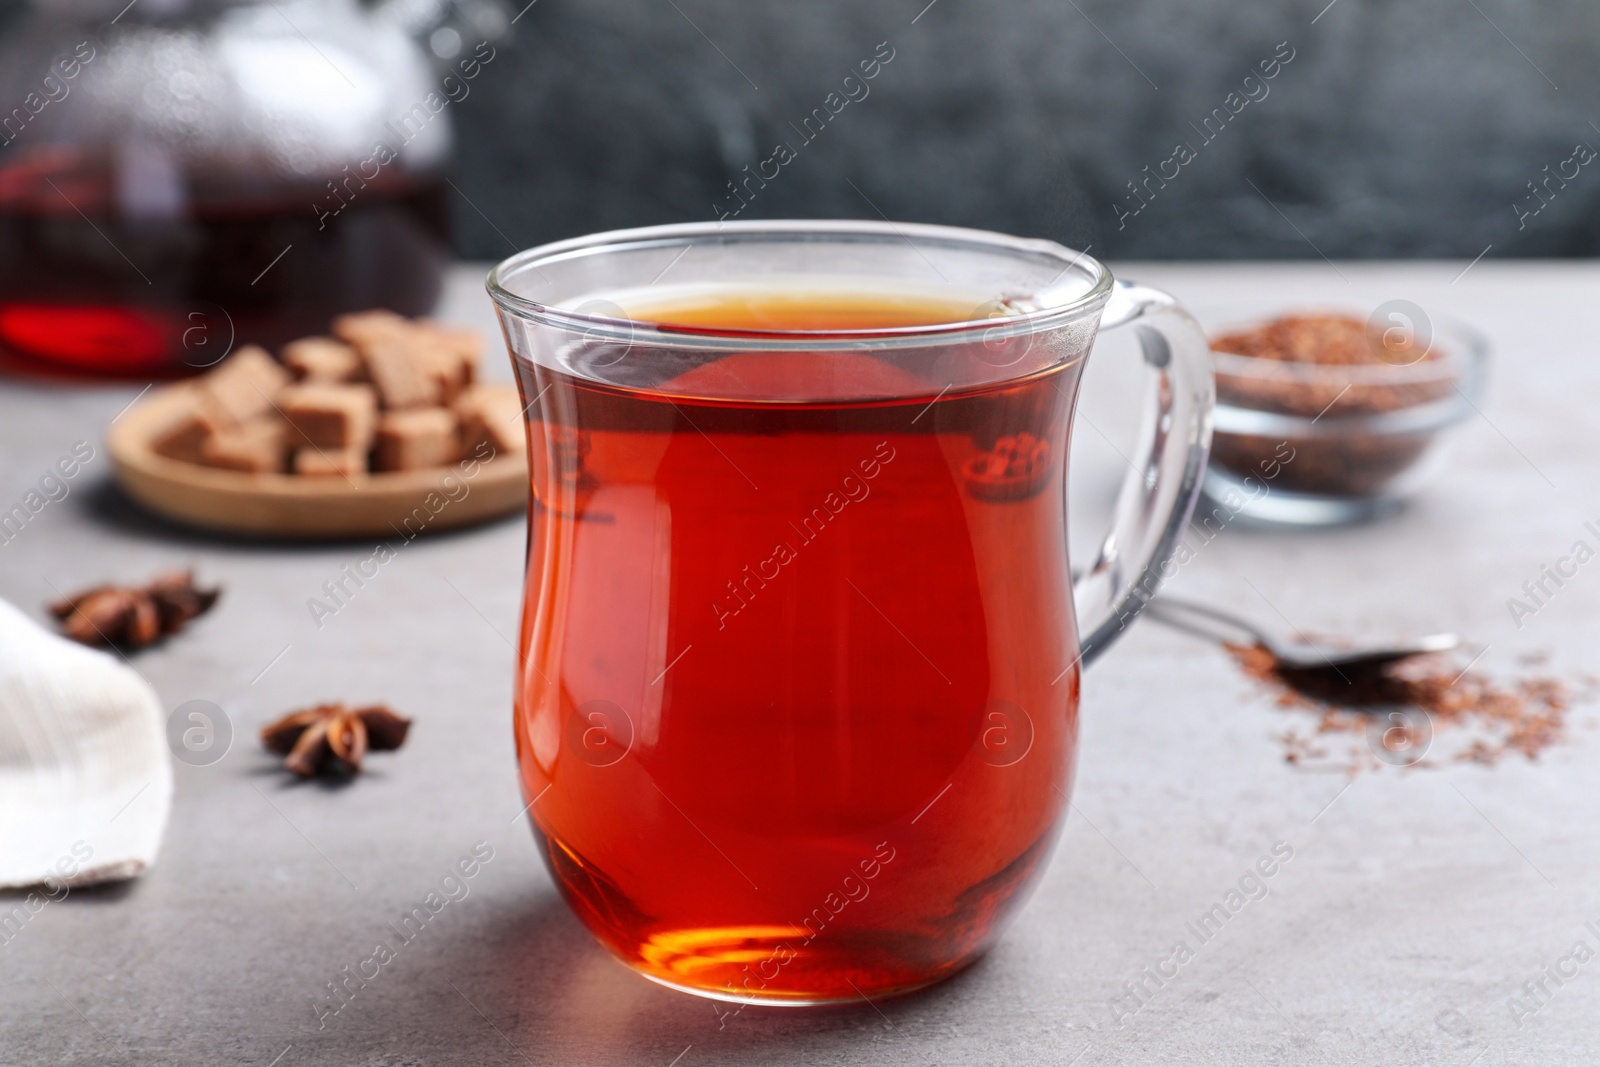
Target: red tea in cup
(797, 695)
(787, 649)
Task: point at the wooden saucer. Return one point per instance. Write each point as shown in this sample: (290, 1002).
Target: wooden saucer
(398, 503)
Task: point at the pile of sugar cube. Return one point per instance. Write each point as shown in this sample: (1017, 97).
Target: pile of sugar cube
(384, 393)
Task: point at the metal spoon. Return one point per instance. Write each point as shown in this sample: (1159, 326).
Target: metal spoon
(1300, 656)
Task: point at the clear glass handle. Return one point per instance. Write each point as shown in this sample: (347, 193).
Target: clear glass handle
(1156, 499)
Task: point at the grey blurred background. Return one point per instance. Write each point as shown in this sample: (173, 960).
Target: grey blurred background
(1401, 128)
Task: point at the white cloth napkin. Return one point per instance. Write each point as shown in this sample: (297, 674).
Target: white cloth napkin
(85, 778)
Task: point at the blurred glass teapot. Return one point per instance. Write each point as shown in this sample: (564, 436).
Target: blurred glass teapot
(178, 176)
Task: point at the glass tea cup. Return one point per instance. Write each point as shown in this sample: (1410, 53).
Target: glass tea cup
(797, 691)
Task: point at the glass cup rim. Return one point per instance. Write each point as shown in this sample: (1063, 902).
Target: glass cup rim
(1036, 320)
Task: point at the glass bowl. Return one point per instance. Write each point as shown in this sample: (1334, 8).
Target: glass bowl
(1308, 444)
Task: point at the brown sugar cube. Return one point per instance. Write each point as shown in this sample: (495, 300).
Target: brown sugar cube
(257, 446)
(330, 462)
(403, 371)
(330, 416)
(244, 384)
(382, 340)
(322, 359)
(185, 420)
(493, 415)
(184, 439)
(413, 364)
(361, 328)
(447, 371)
(410, 440)
(462, 341)
(457, 351)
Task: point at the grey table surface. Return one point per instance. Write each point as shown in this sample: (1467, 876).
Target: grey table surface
(1417, 902)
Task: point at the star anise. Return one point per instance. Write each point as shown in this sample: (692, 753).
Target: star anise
(333, 737)
(132, 616)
